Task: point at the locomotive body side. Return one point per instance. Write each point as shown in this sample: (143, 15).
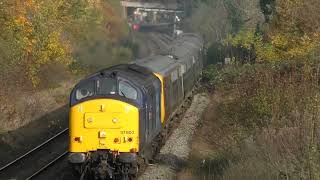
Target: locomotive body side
(179, 71)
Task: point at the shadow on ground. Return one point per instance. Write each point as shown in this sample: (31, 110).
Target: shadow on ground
(17, 142)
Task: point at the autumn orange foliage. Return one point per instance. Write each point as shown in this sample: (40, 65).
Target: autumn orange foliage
(37, 33)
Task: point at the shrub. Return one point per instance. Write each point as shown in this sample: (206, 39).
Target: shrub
(276, 108)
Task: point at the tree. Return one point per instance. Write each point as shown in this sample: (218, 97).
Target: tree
(217, 18)
(294, 33)
(291, 35)
(36, 33)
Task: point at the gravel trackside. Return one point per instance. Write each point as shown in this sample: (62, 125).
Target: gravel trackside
(174, 154)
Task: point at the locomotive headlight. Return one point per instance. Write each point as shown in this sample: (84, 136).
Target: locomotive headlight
(102, 134)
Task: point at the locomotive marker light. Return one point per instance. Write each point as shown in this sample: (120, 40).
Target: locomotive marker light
(116, 140)
(79, 139)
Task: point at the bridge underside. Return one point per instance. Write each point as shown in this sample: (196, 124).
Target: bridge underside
(149, 5)
(154, 16)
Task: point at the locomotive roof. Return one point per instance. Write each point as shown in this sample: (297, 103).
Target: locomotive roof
(159, 64)
(140, 75)
(185, 46)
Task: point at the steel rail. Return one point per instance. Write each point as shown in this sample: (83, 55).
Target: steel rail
(33, 150)
(155, 40)
(47, 165)
(161, 41)
(164, 38)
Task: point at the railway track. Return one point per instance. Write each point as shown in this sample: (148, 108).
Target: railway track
(165, 39)
(38, 159)
(152, 43)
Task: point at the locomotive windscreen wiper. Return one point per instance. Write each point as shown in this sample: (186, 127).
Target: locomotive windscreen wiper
(123, 94)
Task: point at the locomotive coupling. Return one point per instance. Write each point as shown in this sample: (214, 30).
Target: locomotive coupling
(77, 158)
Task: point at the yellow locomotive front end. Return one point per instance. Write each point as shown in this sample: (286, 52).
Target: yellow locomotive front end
(114, 115)
(104, 124)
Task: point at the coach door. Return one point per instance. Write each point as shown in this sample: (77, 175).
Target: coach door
(177, 90)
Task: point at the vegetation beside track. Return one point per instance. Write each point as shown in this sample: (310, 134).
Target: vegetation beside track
(264, 117)
(263, 124)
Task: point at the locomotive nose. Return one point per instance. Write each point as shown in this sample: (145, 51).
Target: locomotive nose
(103, 124)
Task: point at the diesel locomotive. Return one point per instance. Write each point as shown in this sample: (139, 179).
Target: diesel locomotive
(116, 113)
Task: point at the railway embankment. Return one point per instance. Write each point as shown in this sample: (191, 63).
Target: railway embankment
(175, 153)
(261, 123)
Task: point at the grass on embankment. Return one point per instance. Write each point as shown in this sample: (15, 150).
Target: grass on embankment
(263, 123)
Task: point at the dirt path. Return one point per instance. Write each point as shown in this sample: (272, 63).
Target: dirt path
(175, 153)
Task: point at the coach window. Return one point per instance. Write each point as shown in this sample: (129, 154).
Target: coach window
(127, 91)
(188, 65)
(85, 90)
(107, 86)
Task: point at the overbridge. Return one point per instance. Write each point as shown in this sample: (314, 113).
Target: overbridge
(149, 6)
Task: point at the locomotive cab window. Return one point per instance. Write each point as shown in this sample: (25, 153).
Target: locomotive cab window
(85, 90)
(107, 86)
(127, 91)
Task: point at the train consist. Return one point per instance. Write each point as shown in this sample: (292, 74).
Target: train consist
(116, 113)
